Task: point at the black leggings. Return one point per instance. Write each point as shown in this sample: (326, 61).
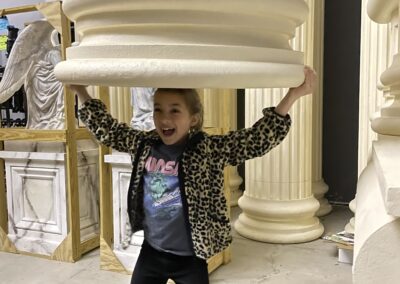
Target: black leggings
(156, 267)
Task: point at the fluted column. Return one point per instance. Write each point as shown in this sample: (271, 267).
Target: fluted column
(230, 117)
(120, 103)
(278, 203)
(377, 217)
(220, 111)
(314, 57)
(210, 101)
(375, 55)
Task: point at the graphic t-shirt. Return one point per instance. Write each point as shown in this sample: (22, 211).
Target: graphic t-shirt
(164, 222)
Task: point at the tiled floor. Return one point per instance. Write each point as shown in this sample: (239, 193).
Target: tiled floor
(252, 262)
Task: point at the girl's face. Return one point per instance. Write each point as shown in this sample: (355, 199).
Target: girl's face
(172, 117)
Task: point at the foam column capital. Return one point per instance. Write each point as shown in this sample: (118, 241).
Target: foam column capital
(184, 43)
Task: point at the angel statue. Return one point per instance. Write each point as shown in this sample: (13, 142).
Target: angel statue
(31, 63)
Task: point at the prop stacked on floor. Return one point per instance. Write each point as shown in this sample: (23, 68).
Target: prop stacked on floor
(36, 171)
(377, 215)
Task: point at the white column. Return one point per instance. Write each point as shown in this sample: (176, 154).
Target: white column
(228, 118)
(120, 104)
(278, 203)
(220, 111)
(314, 57)
(377, 214)
(375, 54)
(375, 57)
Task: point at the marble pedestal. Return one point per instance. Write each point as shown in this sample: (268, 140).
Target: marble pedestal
(377, 217)
(36, 194)
(121, 174)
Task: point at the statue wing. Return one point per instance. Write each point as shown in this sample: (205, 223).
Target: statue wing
(31, 45)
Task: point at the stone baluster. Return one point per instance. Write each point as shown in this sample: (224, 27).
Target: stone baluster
(349, 228)
(375, 54)
(377, 217)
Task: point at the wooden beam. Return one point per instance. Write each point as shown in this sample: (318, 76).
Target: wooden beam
(90, 244)
(106, 205)
(214, 262)
(72, 155)
(73, 192)
(213, 130)
(3, 201)
(65, 34)
(83, 133)
(32, 134)
(17, 10)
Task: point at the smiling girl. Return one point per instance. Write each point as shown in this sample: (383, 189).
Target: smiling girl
(176, 191)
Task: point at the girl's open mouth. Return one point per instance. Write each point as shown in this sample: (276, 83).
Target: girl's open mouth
(168, 131)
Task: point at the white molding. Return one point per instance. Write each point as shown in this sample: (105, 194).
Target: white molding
(184, 43)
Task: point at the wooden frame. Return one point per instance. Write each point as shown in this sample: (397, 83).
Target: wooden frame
(106, 195)
(71, 249)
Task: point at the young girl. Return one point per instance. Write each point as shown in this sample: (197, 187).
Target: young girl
(176, 192)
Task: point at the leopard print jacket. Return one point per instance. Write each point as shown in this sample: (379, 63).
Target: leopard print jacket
(200, 169)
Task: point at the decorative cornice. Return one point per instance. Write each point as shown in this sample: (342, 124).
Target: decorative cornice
(184, 43)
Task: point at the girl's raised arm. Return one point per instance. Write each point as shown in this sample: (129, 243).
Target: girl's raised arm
(104, 127)
(268, 132)
(295, 93)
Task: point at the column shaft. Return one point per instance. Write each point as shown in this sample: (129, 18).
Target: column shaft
(315, 57)
(278, 203)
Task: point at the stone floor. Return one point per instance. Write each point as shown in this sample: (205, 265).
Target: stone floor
(252, 262)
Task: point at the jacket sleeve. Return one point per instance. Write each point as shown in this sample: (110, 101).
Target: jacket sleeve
(235, 147)
(107, 129)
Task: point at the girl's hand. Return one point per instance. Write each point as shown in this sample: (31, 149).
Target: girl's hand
(77, 88)
(310, 78)
(81, 91)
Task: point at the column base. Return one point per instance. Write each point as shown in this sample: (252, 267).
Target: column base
(279, 221)
(377, 234)
(319, 189)
(349, 228)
